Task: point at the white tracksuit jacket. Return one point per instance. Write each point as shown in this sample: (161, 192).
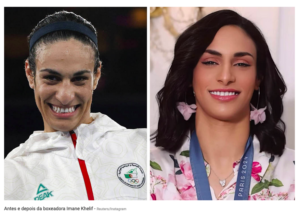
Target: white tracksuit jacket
(46, 166)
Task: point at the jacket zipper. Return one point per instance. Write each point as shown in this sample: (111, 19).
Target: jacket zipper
(84, 172)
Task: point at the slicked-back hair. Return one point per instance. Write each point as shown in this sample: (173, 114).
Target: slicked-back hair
(62, 35)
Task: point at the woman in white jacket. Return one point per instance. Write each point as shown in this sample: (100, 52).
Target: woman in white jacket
(79, 155)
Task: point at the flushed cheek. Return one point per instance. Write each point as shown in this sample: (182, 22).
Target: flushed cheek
(248, 85)
(201, 82)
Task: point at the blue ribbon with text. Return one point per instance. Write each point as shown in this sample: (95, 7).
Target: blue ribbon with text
(200, 176)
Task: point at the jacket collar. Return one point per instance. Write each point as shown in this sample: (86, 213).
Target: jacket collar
(261, 157)
(60, 143)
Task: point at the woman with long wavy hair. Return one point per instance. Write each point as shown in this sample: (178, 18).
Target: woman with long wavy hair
(220, 133)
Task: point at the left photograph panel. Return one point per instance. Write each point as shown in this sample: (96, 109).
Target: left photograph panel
(75, 103)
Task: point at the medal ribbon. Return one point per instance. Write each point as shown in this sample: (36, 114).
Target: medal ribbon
(201, 179)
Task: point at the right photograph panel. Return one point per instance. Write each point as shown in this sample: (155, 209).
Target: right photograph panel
(222, 103)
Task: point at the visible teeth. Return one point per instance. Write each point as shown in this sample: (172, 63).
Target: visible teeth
(223, 93)
(63, 110)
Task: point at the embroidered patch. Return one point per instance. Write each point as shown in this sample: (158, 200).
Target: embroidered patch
(132, 175)
(42, 193)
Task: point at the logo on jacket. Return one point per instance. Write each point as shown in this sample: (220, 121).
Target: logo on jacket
(42, 193)
(132, 175)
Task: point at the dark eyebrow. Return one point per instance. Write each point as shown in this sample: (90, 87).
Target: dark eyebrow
(78, 73)
(241, 54)
(238, 54)
(213, 52)
(54, 72)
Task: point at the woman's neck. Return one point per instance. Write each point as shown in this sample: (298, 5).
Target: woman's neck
(221, 142)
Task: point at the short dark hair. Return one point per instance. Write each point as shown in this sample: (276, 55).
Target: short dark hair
(62, 35)
(173, 129)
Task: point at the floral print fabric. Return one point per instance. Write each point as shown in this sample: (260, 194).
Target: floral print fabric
(272, 177)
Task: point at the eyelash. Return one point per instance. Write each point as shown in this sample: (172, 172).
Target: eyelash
(79, 79)
(237, 64)
(55, 79)
(243, 65)
(51, 78)
(209, 63)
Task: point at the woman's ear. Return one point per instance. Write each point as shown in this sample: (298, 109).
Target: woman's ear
(29, 74)
(97, 76)
(257, 82)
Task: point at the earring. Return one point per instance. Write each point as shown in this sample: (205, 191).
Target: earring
(258, 115)
(186, 110)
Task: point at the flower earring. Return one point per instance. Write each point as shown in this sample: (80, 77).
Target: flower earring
(186, 110)
(258, 115)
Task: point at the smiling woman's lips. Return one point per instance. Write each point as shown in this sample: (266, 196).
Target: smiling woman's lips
(220, 94)
(64, 115)
(224, 98)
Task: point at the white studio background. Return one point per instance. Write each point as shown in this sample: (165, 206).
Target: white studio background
(277, 25)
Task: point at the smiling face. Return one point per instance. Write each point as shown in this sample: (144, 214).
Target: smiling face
(63, 84)
(225, 77)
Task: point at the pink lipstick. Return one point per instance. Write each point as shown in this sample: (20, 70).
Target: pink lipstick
(224, 94)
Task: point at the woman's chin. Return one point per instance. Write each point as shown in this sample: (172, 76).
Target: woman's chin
(224, 115)
(228, 118)
(63, 127)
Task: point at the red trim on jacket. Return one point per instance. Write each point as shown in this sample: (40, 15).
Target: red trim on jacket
(84, 172)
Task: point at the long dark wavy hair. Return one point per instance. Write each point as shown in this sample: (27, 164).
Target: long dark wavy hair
(173, 129)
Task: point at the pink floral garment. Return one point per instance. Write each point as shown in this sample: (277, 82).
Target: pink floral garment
(272, 177)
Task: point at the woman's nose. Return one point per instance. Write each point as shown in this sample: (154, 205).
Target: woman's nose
(226, 75)
(66, 93)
